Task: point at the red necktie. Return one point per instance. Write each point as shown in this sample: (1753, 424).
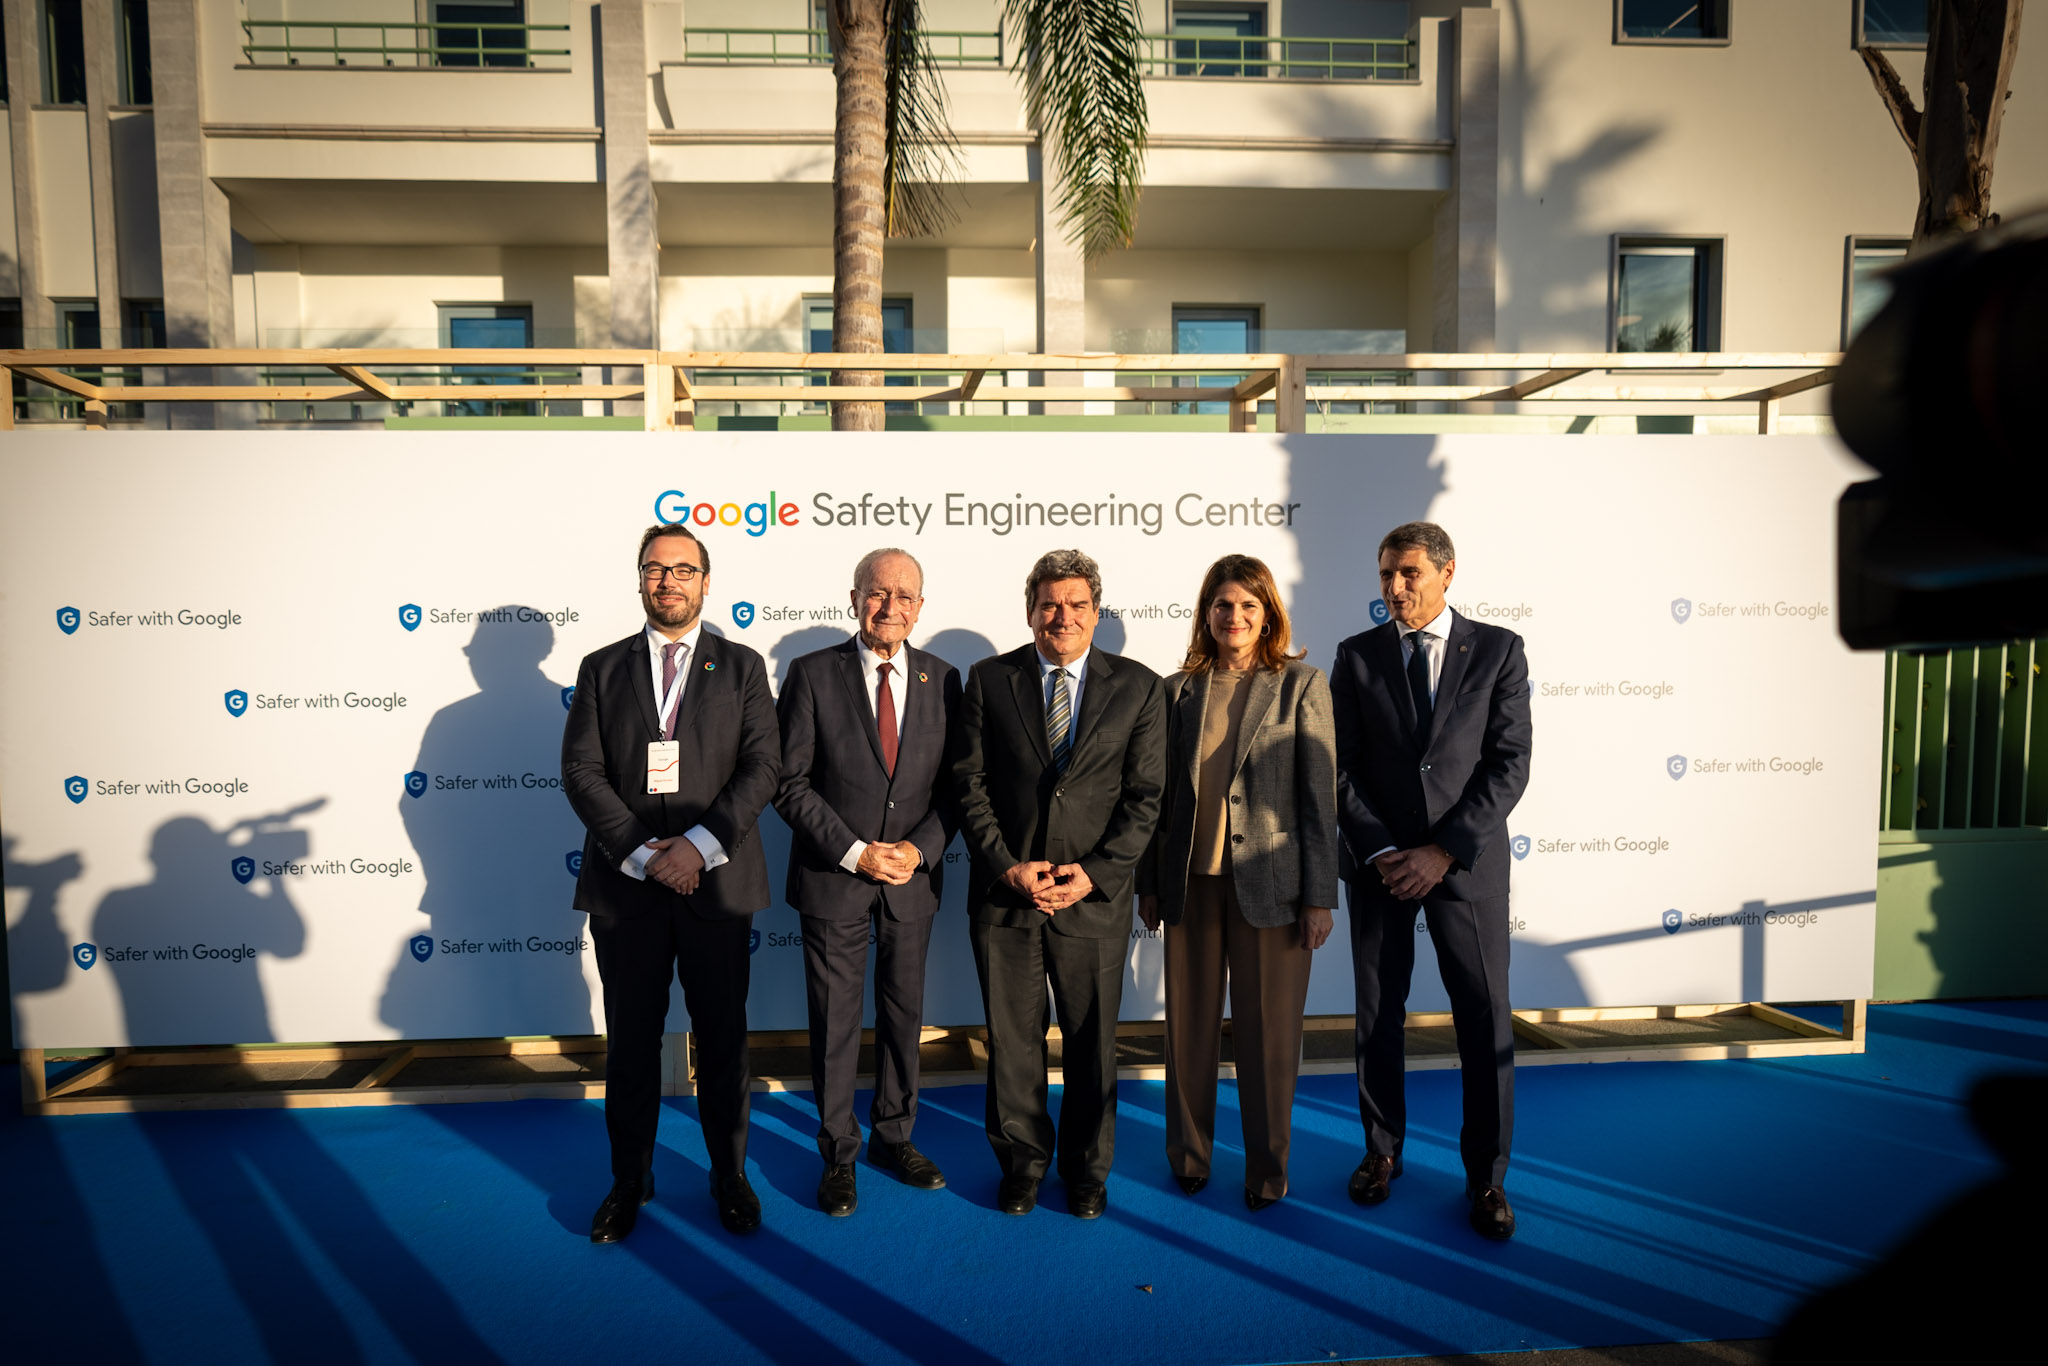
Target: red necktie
(885, 717)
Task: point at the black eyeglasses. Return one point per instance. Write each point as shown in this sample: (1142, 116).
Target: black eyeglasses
(655, 573)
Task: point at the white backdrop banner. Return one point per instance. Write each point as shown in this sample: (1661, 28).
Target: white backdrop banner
(280, 745)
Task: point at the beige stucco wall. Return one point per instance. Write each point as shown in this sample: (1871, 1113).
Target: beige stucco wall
(64, 203)
(1135, 291)
(10, 261)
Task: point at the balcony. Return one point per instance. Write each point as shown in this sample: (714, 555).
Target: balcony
(335, 43)
(813, 47)
(1277, 58)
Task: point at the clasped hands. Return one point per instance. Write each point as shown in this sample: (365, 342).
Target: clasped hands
(891, 863)
(1052, 887)
(1412, 874)
(677, 864)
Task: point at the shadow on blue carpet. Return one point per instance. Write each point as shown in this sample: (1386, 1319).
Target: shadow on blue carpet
(1658, 1202)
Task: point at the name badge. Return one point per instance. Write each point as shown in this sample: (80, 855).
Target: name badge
(664, 763)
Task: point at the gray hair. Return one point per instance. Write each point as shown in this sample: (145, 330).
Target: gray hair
(866, 567)
(1055, 565)
(1431, 539)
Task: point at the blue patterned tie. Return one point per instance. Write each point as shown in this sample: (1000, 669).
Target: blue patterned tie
(1059, 721)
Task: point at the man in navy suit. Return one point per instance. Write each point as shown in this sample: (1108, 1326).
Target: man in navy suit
(1432, 720)
(669, 753)
(869, 801)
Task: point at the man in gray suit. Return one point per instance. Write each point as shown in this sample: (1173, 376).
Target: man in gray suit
(867, 796)
(1432, 718)
(1061, 762)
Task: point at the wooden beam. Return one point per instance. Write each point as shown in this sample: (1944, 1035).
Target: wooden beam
(660, 407)
(1767, 417)
(1787, 388)
(386, 1070)
(91, 1076)
(1290, 397)
(1535, 1033)
(970, 383)
(35, 1084)
(43, 374)
(1786, 1020)
(1257, 385)
(682, 380)
(6, 399)
(1549, 379)
(95, 414)
(363, 379)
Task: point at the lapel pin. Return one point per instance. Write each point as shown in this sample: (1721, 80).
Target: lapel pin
(709, 666)
(1461, 649)
(923, 677)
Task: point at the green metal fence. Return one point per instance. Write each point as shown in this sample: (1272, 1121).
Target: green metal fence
(302, 42)
(813, 47)
(1296, 59)
(1966, 739)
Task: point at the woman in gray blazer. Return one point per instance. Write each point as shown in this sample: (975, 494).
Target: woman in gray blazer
(1243, 870)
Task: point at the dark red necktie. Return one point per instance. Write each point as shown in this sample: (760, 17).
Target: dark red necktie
(885, 717)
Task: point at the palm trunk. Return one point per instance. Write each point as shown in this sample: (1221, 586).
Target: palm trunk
(860, 221)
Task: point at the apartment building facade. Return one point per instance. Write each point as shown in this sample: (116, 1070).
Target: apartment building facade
(1323, 175)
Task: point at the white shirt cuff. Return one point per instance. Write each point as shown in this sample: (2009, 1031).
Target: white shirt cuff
(635, 864)
(1390, 849)
(850, 860)
(707, 845)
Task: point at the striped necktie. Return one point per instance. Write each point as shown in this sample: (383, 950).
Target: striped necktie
(1059, 721)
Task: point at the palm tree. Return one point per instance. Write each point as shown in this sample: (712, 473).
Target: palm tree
(893, 152)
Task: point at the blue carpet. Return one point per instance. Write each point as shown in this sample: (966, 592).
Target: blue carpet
(1658, 1201)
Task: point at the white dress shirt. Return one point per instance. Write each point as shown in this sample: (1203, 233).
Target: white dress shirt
(635, 863)
(899, 693)
(1434, 640)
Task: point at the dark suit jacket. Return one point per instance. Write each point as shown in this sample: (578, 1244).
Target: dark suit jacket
(1016, 807)
(835, 790)
(1283, 796)
(1455, 785)
(731, 758)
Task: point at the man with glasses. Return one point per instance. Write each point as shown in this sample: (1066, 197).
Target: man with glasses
(867, 796)
(669, 754)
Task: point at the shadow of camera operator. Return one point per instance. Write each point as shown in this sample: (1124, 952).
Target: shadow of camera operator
(37, 956)
(183, 947)
(497, 857)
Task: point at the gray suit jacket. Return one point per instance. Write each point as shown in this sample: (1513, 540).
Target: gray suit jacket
(1283, 796)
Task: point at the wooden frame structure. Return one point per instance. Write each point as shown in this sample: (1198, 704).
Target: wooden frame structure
(671, 384)
(955, 1056)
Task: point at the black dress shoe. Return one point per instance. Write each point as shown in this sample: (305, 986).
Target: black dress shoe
(739, 1209)
(912, 1167)
(1191, 1185)
(1087, 1199)
(1492, 1216)
(836, 1195)
(1369, 1184)
(1017, 1195)
(1255, 1202)
(621, 1209)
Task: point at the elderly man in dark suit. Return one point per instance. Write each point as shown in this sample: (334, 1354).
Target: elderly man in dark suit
(868, 797)
(1061, 763)
(668, 756)
(1432, 721)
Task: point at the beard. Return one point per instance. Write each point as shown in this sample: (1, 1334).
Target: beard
(675, 616)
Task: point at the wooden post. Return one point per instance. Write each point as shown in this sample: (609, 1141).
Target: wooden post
(1855, 1020)
(686, 401)
(6, 399)
(1290, 398)
(1767, 417)
(35, 1086)
(660, 406)
(95, 414)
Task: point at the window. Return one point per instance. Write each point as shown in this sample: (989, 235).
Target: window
(1864, 290)
(495, 327)
(63, 52)
(142, 323)
(137, 84)
(11, 338)
(1200, 330)
(896, 336)
(1223, 39)
(1667, 295)
(483, 45)
(3, 73)
(1891, 23)
(1671, 21)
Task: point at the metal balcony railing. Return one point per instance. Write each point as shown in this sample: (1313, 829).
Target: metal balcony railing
(813, 47)
(1206, 57)
(1966, 739)
(308, 42)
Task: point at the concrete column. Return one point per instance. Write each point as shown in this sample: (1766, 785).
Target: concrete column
(25, 88)
(1062, 281)
(1466, 243)
(101, 78)
(192, 211)
(632, 246)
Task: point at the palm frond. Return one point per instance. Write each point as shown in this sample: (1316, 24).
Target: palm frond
(1085, 94)
(920, 157)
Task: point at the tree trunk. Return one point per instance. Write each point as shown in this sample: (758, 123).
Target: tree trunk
(1971, 45)
(859, 215)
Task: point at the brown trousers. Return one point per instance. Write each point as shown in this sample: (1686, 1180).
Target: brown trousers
(1267, 972)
